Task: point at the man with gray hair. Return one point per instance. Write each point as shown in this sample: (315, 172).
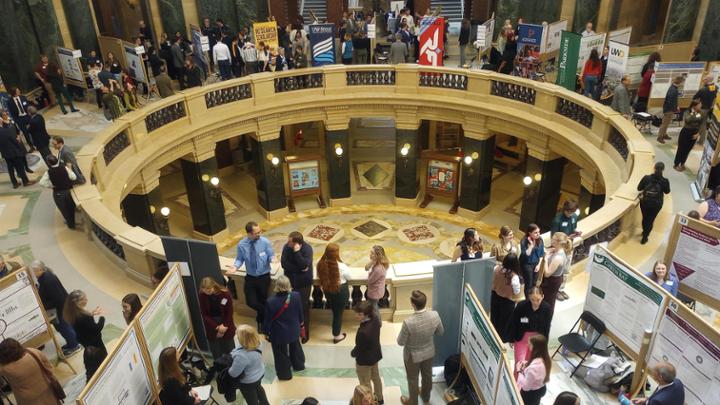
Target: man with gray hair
(670, 390)
(621, 98)
(398, 51)
(53, 295)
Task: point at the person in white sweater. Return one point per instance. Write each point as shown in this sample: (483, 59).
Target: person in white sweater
(223, 59)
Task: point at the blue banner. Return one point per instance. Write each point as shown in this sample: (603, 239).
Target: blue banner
(529, 40)
(322, 44)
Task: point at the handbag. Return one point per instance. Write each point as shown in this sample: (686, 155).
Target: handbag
(55, 386)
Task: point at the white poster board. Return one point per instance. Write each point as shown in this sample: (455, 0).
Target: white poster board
(489, 29)
(695, 356)
(552, 38)
(634, 68)
(124, 379)
(587, 44)
(622, 35)
(666, 72)
(616, 64)
(21, 316)
(165, 320)
(135, 65)
(371, 28)
(396, 6)
(626, 301)
(696, 259)
(507, 393)
(482, 351)
(70, 65)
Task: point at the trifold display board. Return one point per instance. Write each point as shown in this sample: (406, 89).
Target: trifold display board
(129, 373)
(483, 355)
(624, 299)
(693, 255)
(711, 153)
(693, 346)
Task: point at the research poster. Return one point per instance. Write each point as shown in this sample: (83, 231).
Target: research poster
(135, 65)
(587, 44)
(70, 66)
(616, 64)
(21, 317)
(695, 357)
(481, 350)
(696, 260)
(666, 72)
(710, 152)
(506, 392)
(622, 35)
(165, 320)
(124, 379)
(322, 44)
(432, 47)
(628, 303)
(304, 175)
(552, 38)
(266, 32)
(634, 68)
(567, 60)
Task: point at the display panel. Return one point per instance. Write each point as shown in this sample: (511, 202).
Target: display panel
(304, 175)
(21, 316)
(442, 177)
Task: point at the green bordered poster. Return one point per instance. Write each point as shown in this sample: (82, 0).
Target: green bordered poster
(480, 347)
(624, 299)
(507, 392)
(568, 59)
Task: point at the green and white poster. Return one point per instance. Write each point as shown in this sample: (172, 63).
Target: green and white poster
(567, 60)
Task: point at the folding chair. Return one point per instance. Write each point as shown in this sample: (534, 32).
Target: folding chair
(576, 343)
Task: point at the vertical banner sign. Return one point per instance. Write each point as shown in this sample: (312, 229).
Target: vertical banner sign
(552, 39)
(616, 64)
(322, 44)
(266, 32)
(529, 40)
(431, 41)
(587, 44)
(567, 60)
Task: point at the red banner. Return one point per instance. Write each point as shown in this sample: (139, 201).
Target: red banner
(432, 47)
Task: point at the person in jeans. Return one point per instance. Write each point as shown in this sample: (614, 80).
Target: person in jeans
(53, 296)
(297, 263)
(283, 320)
(367, 351)
(378, 267)
(334, 275)
(255, 251)
(670, 107)
(248, 367)
(417, 338)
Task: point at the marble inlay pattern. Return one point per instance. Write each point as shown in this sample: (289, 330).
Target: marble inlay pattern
(710, 39)
(681, 20)
(323, 233)
(371, 229)
(418, 233)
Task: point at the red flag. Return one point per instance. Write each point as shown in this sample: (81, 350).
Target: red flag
(432, 47)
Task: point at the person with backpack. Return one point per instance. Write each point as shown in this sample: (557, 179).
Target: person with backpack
(247, 366)
(652, 188)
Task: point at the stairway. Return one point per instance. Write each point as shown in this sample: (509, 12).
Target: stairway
(319, 7)
(451, 9)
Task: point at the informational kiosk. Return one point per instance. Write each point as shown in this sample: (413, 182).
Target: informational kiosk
(693, 255)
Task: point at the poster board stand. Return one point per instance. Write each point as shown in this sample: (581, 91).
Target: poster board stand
(641, 364)
(69, 61)
(442, 179)
(11, 288)
(304, 179)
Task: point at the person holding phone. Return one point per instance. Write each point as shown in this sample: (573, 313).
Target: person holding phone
(297, 264)
(532, 251)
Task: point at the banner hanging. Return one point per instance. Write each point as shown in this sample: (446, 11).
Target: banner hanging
(552, 38)
(266, 32)
(567, 60)
(587, 44)
(431, 41)
(529, 40)
(322, 44)
(616, 64)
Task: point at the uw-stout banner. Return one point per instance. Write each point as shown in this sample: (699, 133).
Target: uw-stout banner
(529, 40)
(431, 41)
(266, 32)
(567, 60)
(552, 36)
(622, 35)
(322, 44)
(628, 303)
(616, 64)
(587, 44)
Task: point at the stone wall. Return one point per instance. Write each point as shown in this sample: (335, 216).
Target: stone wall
(82, 26)
(710, 39)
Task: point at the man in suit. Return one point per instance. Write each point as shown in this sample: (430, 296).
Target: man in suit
(416, 337)
(18, 107)
(13, 153)
(40, 136)
(670, 390)
(178, 61)
(65, 156)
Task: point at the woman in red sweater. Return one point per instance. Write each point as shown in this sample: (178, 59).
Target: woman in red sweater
(647, 73)
(591, 74)
(216, 308)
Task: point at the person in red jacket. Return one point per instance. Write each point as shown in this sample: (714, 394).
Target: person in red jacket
(216, 308)
(591, 75)
(646, 73)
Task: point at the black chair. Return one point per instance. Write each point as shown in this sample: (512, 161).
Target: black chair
(577, 343)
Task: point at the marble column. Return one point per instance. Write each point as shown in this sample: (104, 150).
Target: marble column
(338, 166)
(476, 178)
(172, 17)
(19, 53)
(532, 11)
(142, 206)
(681, 19)
(214, 9)
(82, 25)
(46, 25)
(406, 167)
(585, 10)
(592, 192)
(710, 37)
(541, 196)
(206, 205)
(270, 179)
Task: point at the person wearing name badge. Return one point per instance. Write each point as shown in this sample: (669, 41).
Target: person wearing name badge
(534, 373)
(506, 245)
(255, 251)
(532, 250)
(566, 220)
(507, 289)
(709, 210)
(216, 308)
(470, 247)
(664, 278)
(530, 317)
(670, 390)
(248, 366)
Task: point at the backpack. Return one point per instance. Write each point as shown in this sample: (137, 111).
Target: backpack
(652, 191)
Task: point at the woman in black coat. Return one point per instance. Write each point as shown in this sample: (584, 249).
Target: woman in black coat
(367, 351)
(282, 326)
(529, 318)
(89, 332)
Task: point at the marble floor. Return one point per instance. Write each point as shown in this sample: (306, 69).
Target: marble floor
(31, 228)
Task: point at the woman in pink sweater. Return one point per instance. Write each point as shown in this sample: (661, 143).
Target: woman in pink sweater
(377, 267)
(534, 373)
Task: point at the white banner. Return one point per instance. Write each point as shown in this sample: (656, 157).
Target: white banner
(489, 28)
(552, 38)
(622, 35)
(616, 64)
(587, 44)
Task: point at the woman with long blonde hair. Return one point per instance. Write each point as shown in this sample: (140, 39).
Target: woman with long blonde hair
(174, 387)
(334, 275)
(378, 267)
(216, 308)
(557, 259)
(362, 395)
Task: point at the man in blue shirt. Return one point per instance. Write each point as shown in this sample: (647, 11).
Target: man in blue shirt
(256, 253)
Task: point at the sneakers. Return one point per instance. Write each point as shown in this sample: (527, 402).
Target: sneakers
(69, 352)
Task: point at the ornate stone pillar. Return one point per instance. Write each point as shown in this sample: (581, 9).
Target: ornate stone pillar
(544, 170)
(338, 173)
(592, 192)
(478, 148)
(407, 156)
(206, 205)
(270, 183)
(142, 206)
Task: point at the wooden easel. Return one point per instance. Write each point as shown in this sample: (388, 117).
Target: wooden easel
(432, 192)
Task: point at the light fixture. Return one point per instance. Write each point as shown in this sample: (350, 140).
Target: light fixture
(214, 181)
(152, 209)
(587, 210)
(468, 160)
(537, 177)
(165, 211)
(577, 212)
(527, 180)
(338, 149)
(405, 149)
(205, 177)
(275, 161)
